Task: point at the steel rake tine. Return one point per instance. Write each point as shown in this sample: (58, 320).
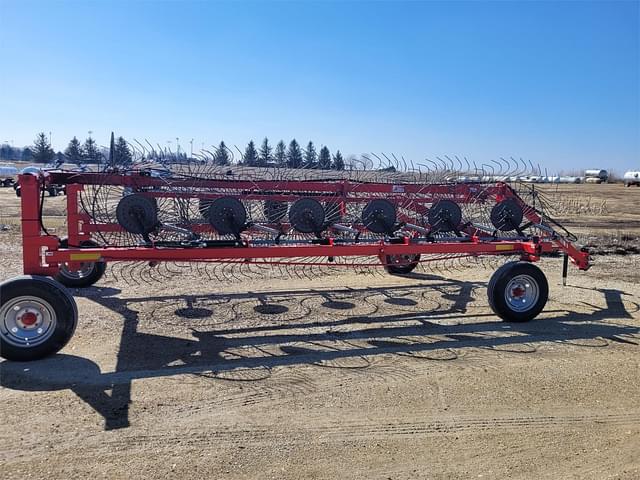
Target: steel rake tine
(499, 166)
(451, 166)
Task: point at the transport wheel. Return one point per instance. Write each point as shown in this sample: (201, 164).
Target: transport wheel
(37, 317)
(518, 291)
(401, 264)
(89, 273)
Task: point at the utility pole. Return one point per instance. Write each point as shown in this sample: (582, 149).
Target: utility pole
(112, 148)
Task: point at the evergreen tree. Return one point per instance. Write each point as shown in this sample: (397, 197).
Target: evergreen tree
(42, 151)
(122, 156)
(280, 154)
(5, 152)
(8, 152)
(222, 155)
(91, 152)
(73, 152)
(338, 161)
(324, 159)
(59, 158)
(250, 156)
(27, 154)
(310, 156)
(294, 155)
(264, 157)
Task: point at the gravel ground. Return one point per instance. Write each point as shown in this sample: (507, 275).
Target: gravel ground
(349, 376)
(344, 376)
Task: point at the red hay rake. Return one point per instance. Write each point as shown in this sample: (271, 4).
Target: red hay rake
(336, 222)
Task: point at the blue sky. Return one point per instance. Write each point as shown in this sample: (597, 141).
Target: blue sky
(556, 83)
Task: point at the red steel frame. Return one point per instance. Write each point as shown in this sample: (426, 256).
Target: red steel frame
(42, 253)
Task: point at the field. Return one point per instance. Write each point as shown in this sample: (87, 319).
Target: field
(347, 376)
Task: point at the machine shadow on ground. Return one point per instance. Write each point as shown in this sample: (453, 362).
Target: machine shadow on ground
(327, 339)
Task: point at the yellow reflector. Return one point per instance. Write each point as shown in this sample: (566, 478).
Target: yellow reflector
(84, 256)
(504, 247)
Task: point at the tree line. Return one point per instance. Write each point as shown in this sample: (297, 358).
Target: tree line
(76, 152)
(292, 156)
(120, 154)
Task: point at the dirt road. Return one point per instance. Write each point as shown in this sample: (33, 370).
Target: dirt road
(348, 376)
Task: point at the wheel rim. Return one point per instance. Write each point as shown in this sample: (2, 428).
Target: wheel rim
(27, 321)
(86, 268)
(402, 260)
(522, 293)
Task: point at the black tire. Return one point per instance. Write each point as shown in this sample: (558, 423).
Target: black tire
(90, 274)
(18, 191)
(56, 316)
(52, 192)
(524, 277)
(402, 268)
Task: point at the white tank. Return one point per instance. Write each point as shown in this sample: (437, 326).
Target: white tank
(593, 180)
(7, 171)
(602, 174)
(632, 177)
(569, 179)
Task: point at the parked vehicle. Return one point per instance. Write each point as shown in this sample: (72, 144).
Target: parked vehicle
(8, 175)
(53, 190)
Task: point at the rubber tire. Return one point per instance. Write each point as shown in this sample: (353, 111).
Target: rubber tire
(95, 275)
(63, 304)
(401, 269)
(498, 283)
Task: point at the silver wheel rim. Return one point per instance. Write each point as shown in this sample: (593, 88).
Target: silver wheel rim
(27, 321)
(86, 268)
(522, 293)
